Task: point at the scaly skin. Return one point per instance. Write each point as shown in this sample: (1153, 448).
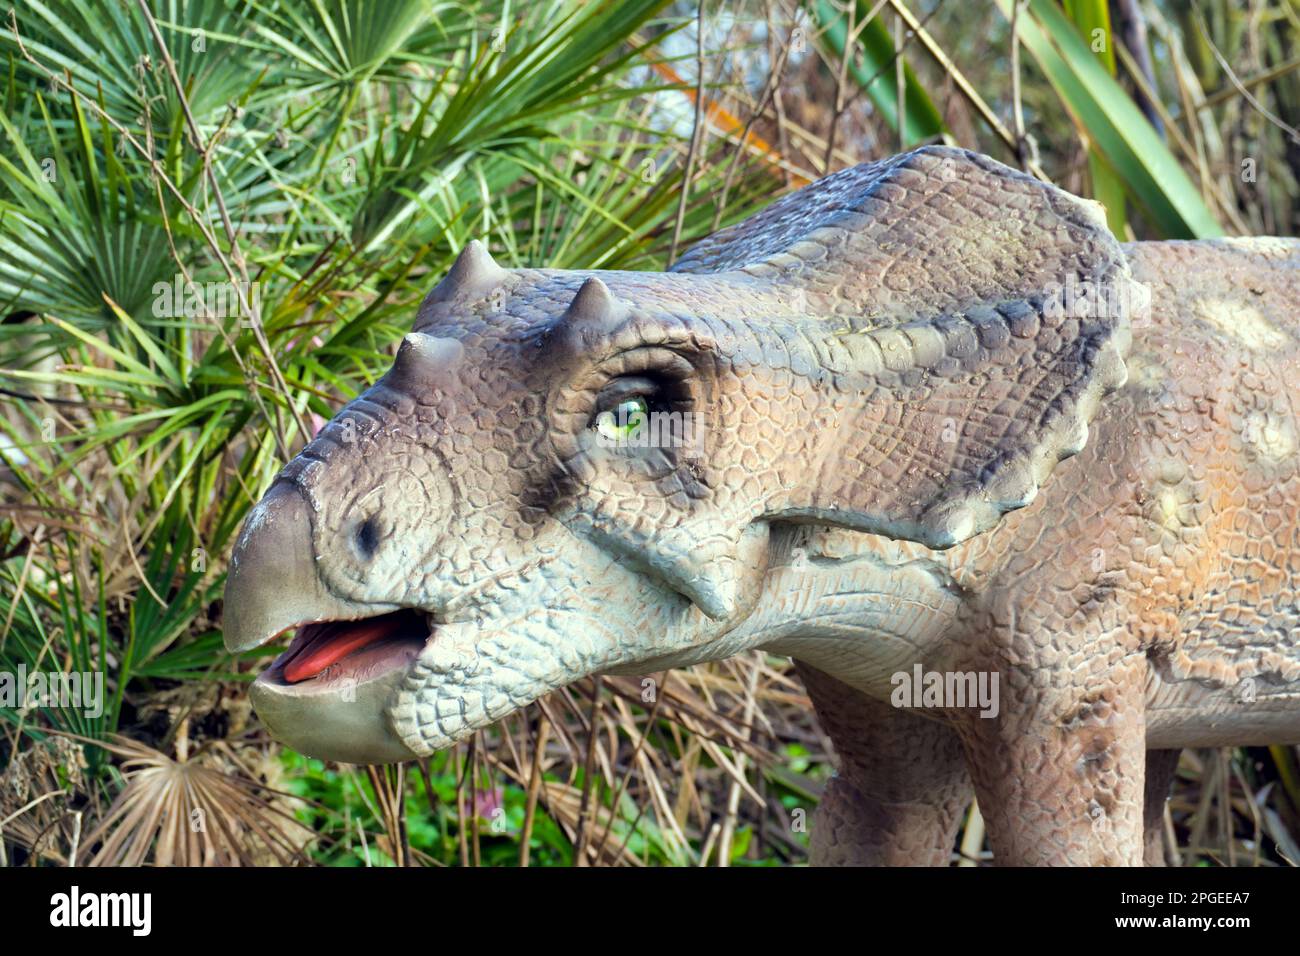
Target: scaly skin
(1154, 579)
(887, 381)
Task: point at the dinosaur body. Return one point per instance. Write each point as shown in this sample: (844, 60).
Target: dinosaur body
(885, 380)
(1167, 550)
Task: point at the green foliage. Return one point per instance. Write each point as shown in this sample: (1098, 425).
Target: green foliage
(1092, 17)
(876, 70)
(339, 807)
(1123, 137)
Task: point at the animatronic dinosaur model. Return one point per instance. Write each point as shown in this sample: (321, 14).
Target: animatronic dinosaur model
(857, 398)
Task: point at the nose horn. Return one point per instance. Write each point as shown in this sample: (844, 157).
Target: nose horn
(273, 583)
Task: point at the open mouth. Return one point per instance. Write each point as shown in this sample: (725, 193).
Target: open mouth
(330, 650)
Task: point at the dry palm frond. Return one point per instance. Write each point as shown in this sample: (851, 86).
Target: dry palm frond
(192, 812)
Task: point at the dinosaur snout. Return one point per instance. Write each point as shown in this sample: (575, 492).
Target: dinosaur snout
(273, 583)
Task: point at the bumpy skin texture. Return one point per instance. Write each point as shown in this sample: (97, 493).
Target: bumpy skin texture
(886, 379)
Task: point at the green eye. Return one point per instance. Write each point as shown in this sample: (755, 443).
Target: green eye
(624, 421)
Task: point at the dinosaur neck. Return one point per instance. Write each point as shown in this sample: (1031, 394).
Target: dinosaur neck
(860, 607)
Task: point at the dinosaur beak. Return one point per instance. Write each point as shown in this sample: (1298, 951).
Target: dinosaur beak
(273, 584)
(326, 695)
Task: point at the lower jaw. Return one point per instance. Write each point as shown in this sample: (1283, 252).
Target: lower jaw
(340, 714)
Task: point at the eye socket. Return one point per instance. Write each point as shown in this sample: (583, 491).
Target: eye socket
(624, 407)
(645, 417)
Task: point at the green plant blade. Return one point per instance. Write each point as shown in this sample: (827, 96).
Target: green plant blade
(1151, 174)
(1092, 17)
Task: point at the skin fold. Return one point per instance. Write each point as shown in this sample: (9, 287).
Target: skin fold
(925, 413)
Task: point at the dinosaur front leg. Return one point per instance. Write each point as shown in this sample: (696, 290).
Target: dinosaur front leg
(1161, 768)
(902, 784)
(1059, 771)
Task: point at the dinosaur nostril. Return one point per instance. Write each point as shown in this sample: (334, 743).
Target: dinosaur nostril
(367, 537)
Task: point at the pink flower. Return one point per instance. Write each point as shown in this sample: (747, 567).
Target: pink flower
(488, 802)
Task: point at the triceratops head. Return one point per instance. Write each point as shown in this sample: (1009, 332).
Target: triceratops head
(565, 473)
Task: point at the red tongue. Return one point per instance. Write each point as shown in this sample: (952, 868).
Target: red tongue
(331, 642)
